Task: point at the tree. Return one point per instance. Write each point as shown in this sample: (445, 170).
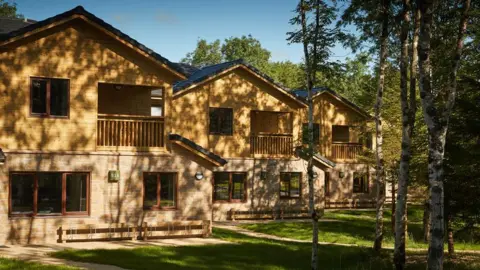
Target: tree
(205, 54)
(408, 104)
(317, 37)
(372, 19)
(9, 9)
(438, 97)
(246, 48)
(289, 74)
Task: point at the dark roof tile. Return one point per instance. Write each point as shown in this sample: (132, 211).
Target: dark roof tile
(198, 148)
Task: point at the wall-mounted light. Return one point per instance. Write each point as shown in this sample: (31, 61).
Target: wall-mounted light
(315, 175)
(199, 176)
(341, 174)
(113, 176)
(118, 87)
(3, 158)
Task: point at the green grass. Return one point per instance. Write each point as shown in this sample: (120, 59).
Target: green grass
(17, 264)
(244, 252)
(357, 227)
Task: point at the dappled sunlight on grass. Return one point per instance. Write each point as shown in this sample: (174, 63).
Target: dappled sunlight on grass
(357, 227)
(18, 264)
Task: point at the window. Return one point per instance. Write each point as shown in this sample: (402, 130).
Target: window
(159, 191)
(49, 97)
(369, 140)
(156, 108)
(316, 133)
(327, 183)
(290, 184)
(49, 193)
(229, 186)
(340, 134)
(221, 121)
(360, 183)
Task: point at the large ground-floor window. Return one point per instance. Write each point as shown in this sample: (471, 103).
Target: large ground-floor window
(229, 186)
(159, 190)
(49, 193)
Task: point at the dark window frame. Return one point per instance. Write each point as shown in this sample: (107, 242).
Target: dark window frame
(333, 134)
(290, 185)
(364, 185)
(219, 131)
(48, 96)
(35, 194)
(158, 206)
(327, 183)
(230, 188)
(316, 137)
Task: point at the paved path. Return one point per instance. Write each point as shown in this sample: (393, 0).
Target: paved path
(40, 253)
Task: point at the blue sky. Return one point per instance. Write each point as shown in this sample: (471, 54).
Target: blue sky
(172, 28)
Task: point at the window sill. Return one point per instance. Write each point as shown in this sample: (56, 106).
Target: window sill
(230, 202)
(290, 198)
(43, 116)
(160, 209)
(47, 216)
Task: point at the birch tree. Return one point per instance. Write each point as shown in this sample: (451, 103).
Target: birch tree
(408, 104)
(314, 18)
(437, 103)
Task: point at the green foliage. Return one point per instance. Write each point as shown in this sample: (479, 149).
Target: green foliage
(9, 9)
(246, 48)
(205, 54)
(18, 264)
(287, 73)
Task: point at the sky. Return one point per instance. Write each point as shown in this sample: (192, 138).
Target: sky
(172, 28)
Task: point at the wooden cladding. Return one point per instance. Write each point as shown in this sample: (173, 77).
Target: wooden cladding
(346, 151)
(130, 132)
(271, 144)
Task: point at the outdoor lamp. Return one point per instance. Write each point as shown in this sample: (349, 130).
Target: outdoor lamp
(341, 174)
(3, 158)
(199, 175)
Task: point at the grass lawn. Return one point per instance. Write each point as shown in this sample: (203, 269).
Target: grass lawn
(246, 252)
(17, 264)
(357, 227)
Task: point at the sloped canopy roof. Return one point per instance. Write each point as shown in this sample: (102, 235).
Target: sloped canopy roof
(8, 24)
(302, 94)
(210, 72)
(80, 12)
(197, 149)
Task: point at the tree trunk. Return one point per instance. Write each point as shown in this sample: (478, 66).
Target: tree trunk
(380, 170)
(426, 221)
(393, 205)
(310, 66)
(408, 121)
(436, 114)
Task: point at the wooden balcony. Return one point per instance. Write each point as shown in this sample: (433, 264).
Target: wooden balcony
(130, 132)
(346, 151)
(271, 144)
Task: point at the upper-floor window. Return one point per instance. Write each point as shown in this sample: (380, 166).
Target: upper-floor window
(221, 121)
(340, 134)
(49, 97)
(327, 183)
(360, 183)
(316, 133)
(156, 108)
(290, 184)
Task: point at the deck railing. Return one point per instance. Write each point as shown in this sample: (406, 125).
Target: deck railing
(130, 131)
(271, 144)
(346, 151)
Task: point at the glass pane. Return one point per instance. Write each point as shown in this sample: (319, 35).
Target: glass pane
(49, 193)
(221, 121)
(156, 111)
(150, 190)
(167, 190)
(39, 96)
(59, 97)
(284, 184)
(295, 179)
(157, 93)
(76, 192)
(221, 186)
(22, 193)
(340, 134)
(238, 189)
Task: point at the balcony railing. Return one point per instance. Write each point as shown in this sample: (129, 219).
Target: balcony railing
(129, 132)
(346, 151)
(271, 144)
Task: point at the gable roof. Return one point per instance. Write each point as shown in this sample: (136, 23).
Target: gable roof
(8, 24)
(80, 12)
(197, 149)
(302, 94)
(210, 72)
